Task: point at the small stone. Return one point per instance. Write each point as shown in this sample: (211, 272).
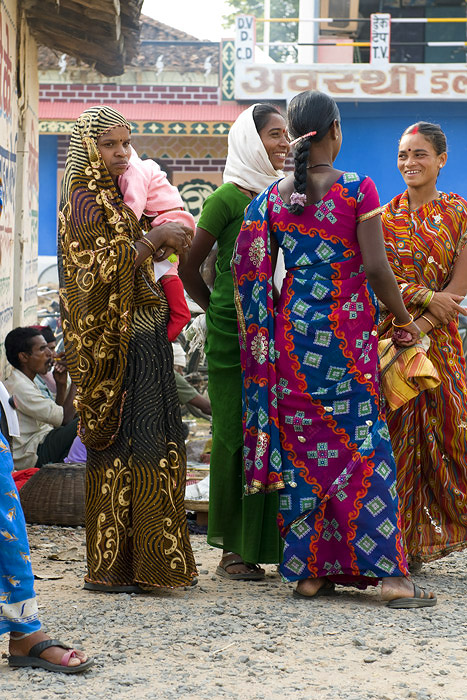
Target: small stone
(357, 642)
(369, 659)
(244, 659)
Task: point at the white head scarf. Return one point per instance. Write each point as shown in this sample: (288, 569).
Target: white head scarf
(248, 164)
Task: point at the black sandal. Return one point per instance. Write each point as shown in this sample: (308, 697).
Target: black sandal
(328, 588)
(33, 658)
(421, 599)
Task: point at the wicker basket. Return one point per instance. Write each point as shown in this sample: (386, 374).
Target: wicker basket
(55, 495)
(197, 506)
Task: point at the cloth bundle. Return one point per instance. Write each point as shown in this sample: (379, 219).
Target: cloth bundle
(405, 372)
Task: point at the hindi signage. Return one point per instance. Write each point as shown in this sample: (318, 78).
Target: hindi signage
(396, 81)
(380, 39)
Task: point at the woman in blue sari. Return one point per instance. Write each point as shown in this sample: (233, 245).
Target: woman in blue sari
(19, 618)
(314, 426)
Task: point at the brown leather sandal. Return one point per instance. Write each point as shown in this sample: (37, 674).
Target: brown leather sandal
(254, 573)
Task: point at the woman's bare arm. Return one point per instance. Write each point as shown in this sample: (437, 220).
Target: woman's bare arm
(190, 264)
(379, 273)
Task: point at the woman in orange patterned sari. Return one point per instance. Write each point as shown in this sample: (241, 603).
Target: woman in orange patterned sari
(426, 235)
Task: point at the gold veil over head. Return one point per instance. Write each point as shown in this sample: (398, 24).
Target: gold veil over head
(99, 287)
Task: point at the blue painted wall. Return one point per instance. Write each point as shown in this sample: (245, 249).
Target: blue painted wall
(371, 131)
(48, 195)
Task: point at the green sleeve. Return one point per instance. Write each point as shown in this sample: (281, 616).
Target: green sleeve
(216, 214)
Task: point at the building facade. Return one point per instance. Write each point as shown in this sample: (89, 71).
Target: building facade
(182, 95)
(173, 95)
(23, 24)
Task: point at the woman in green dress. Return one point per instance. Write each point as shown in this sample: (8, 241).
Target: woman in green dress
(244, 528)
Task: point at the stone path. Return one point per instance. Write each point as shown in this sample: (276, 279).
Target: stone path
(227, 639)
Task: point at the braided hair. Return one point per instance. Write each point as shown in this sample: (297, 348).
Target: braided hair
(433, 134)
(309, 111)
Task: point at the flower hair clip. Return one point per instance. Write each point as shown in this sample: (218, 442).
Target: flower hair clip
(310, 133)
(297, 198)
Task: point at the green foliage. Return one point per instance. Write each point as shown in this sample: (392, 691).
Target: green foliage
(280, 31)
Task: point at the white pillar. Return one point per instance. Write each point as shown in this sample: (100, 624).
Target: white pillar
(308, 31)
(267, 26)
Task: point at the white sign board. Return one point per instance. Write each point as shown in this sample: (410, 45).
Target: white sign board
(245, 38)
(396, 81)
(380, 39)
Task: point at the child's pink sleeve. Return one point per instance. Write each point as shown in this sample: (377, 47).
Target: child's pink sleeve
(134, 185)
(177, 215)
(164, 201)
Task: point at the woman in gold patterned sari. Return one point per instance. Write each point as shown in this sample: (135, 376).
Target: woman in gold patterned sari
(114, 318)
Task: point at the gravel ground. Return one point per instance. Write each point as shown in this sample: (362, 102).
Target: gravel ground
(227, 639)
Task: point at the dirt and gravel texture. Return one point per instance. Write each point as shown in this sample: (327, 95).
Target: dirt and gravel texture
(233, 639)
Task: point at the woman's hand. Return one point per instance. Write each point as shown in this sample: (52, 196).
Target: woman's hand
(445, 306)
(170, 235)
(163, 253)
(407, 336)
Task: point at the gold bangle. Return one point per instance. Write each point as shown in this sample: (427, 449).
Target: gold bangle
(403, 325)
(148, 243)
(429, 321)
(428, 300)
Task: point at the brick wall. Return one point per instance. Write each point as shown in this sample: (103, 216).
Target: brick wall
(179, 165)
(62, 149)
(125, 94)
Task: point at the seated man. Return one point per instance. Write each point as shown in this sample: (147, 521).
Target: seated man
(46, 382)
(187, 393)
(47, 427)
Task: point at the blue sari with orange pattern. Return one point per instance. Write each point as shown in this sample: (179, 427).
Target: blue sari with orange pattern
(314, 428)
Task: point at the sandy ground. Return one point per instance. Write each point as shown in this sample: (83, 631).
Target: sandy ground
(226, 639)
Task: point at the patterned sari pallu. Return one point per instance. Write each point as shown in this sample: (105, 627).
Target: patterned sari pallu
(429, 432)
(312, 420)
(118, 354)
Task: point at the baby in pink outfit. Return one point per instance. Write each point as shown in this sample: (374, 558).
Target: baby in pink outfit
(146, 190)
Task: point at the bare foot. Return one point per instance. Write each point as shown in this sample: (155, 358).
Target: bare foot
(310, 586)
(239, 568)
(21, 647)
(399, 587)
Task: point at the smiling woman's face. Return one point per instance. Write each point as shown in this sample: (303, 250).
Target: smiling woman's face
(114, 147)
(418, 162)
(275, 141)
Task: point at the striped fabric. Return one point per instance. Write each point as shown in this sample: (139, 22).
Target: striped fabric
(405, 372)
(98, 284)
(429, 432)
(119, 356)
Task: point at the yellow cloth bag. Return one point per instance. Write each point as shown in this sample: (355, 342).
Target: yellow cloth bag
(405, 372)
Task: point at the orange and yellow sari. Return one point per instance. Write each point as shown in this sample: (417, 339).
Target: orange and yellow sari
(429, 433)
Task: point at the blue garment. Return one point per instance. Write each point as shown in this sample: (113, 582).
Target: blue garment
(314, 428)
(18, 606)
